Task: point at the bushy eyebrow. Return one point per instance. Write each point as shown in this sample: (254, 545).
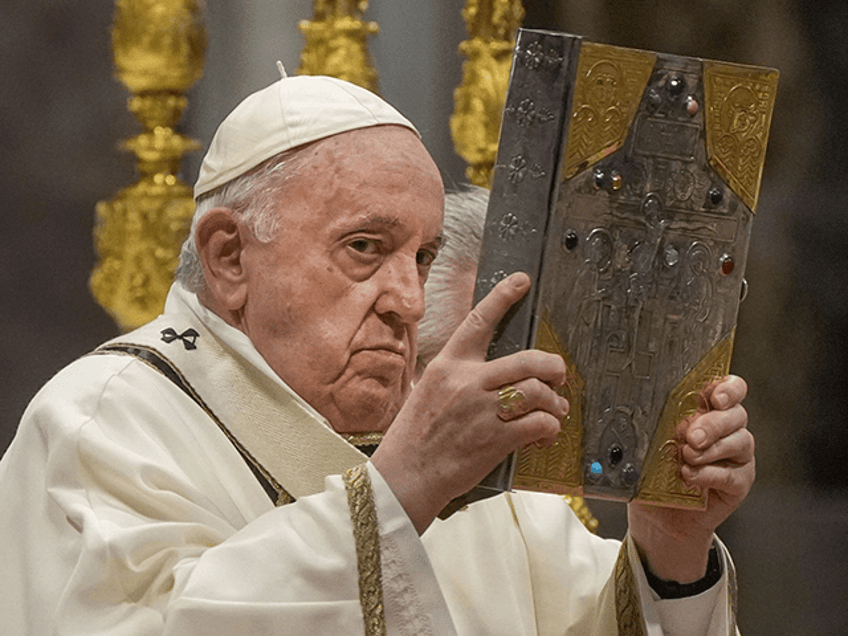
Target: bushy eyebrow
(380, 220)
(368, 219)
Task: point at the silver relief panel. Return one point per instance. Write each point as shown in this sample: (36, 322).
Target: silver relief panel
(606, 191)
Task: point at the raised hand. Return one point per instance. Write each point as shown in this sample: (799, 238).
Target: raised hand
(718, 456)
(457, 423)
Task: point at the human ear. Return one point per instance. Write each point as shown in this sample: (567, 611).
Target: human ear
(221, 237)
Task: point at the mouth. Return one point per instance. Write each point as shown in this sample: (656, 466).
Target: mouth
(395, 349)
(386, 364)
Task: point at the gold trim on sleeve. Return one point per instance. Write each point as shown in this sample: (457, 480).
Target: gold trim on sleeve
(366, 535)
(732, 591)
(363, 439)
(627, 609)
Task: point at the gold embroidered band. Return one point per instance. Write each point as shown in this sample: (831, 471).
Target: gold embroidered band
(733, 593)
(627, 609)
(366, 535)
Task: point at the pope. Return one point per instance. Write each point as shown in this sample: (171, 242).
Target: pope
(201, 475)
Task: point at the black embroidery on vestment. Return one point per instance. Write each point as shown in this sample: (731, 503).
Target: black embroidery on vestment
(188, 337)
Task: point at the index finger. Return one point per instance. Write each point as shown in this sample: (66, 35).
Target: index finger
(472, 337)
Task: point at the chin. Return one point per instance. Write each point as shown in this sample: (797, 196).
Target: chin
(368, 411)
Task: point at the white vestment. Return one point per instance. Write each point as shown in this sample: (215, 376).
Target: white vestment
(127, 511)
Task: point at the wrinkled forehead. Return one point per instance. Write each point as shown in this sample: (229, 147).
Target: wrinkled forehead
(370, 157)
(382, 172)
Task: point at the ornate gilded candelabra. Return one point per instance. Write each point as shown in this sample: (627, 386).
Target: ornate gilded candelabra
(336, 43)
(158, 47)
(479, 100)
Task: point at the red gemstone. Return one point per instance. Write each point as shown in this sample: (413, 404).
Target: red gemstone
(692, 106)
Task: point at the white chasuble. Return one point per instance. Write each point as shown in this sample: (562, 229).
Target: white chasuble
(131, 507)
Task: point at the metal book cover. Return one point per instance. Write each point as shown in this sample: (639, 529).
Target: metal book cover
(625, 186)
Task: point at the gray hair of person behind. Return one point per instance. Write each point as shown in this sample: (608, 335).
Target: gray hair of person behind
(447, 300)
(253, 195)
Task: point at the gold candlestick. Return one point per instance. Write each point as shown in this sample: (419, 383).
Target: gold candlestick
(336, 43)
(158, 46)
(479, 100)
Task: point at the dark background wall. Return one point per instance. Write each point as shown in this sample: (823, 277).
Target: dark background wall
(62, 114)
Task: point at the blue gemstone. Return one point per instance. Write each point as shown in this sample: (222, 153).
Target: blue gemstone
(596, 468)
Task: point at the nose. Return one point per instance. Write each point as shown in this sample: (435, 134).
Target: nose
(402, 290)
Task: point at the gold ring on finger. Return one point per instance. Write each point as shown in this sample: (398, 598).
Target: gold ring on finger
(509, 399)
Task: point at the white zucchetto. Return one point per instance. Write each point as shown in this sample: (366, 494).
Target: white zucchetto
(289, 113)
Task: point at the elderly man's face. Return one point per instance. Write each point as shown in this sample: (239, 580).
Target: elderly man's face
(333, 300)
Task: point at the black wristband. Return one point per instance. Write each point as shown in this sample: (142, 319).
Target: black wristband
(673, 589)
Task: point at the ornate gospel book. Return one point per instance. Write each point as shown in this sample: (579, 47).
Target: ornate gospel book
(625, 185)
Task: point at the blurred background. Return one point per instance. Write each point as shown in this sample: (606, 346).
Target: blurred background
(62, 114)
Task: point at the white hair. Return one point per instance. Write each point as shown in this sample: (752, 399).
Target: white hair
(253, 195)
(447, 301)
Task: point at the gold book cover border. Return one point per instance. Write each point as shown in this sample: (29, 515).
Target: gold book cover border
(558, 468)
(662, 482)
(607, 93)
(740, 101)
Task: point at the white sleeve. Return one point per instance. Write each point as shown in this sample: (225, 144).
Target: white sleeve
(413, 600)
(295, 569)
(561, 552)
(127, 513)
(710, 612)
